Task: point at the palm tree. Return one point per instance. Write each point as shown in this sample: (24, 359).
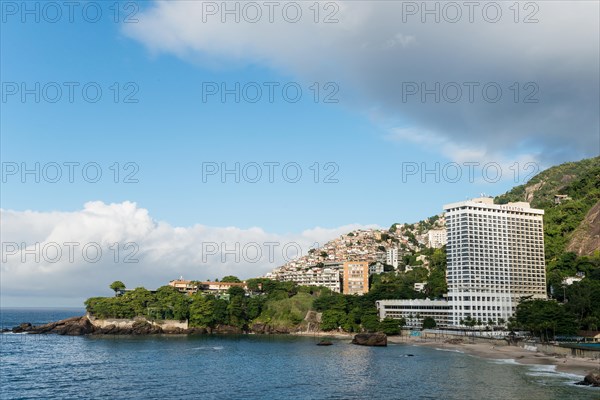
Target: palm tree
(490, 324)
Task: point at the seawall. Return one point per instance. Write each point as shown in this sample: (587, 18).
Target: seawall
(121, 323)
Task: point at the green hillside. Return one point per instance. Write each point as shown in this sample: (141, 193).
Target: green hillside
(580, 181)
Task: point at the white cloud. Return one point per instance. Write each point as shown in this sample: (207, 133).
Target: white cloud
(164, 252)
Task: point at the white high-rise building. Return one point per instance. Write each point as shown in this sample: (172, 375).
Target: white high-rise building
(495, 256)
(392, 257)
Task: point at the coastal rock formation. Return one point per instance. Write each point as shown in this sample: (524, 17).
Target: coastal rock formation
(592, 379)
(197, 331)
(370, 339)
(267, 329)
(24, 327)
(226, 329)
(71, 326)
(586, 238)
(77, 326)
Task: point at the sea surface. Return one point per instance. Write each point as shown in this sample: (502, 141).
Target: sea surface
(254, 367)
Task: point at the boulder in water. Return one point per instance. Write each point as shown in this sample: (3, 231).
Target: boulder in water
(370, 339)
(591, 379)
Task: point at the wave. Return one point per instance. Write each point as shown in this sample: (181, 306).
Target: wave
(208, 348)
(450, 350)
(509, 361)
(550, 371)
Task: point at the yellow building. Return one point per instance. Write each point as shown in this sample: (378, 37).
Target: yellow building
(356, 277)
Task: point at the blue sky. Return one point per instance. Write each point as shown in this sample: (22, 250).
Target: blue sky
(368, 134)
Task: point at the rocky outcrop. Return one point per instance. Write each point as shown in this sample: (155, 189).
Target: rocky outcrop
(71, 326)
(198, 331)
(370, 339)
(266, 329)
(592, 379)
(24, 327)
(77, 326)
(87, 325)
(226, 330)
(586, 238)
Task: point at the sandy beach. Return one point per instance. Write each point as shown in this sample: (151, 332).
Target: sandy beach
(578, 366)
(567, 364)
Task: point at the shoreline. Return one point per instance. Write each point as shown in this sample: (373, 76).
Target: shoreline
(564, 364)
(331, 335)
(80, 326)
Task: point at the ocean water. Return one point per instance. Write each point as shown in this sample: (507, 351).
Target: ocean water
(256, 367)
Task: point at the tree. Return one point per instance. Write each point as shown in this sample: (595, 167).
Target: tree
(543, 318)
(236, 291)
(236, 311)
(117, 285)
(370, 322)
(231, 279)
(254, 307)
(391, 326)
(171, 303)
(201, 311)
(429, 323)
(139, 300)
(332, 319)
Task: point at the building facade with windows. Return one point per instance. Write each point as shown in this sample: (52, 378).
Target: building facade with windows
(437, 238)
(356, 277)
(495, 256)
(315, 276)
(392, 257)
(415, 311)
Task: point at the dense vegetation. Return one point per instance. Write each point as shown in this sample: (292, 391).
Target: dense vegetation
(578, 180)
(575, 306)
(278, 304)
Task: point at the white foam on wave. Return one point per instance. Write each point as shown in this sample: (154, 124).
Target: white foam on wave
(510, 361)
(450, 350)
(542, 371)
(208, 348)
(550, 371)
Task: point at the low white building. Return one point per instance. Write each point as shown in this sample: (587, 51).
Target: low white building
(571, 280)
(376, 268)
(419, 286)
(327, 277)
(414, 311)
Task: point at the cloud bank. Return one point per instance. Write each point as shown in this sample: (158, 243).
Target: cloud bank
(378, 51)
(48, 255)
